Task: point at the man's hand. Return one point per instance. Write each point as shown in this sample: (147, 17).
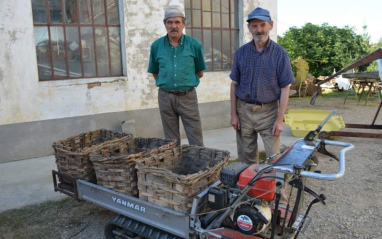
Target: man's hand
(200, 74)
(235, 122)
(277, 128)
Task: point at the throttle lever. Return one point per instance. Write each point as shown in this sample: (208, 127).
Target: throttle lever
(310, 136)
(298, 184)
(321, 149)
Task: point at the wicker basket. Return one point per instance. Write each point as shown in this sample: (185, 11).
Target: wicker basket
(72, 154)
(173, 179)
(115, 165)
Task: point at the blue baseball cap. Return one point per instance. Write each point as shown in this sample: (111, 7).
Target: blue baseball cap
(259, 13)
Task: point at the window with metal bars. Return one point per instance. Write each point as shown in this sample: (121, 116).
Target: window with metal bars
(215, 23)
(77, 38)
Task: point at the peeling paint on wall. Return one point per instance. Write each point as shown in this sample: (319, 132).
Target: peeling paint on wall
(12, 36)
(7, 11)
(88, 96)
(94, 84)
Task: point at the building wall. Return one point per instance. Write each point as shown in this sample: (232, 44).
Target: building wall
(34, 114)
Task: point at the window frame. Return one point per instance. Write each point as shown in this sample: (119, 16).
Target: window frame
(233, 11)
(79, 26)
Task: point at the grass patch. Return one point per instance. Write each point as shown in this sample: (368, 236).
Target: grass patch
(349, 95)
(334, 93)
(50, 219)
(262, 156)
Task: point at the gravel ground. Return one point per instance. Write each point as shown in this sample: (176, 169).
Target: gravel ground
(354, 205)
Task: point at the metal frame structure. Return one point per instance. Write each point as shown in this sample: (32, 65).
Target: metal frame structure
(377, 54)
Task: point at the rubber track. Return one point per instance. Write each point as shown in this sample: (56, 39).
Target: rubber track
(142, 229)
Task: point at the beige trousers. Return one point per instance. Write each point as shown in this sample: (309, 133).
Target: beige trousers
(254, 120)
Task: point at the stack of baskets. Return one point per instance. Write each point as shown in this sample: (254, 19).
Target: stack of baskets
(155, 169)
(72, 154)
(115, 165)
(172, 179)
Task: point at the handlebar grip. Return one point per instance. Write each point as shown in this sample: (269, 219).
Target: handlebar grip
(290, 169)
(341, 171)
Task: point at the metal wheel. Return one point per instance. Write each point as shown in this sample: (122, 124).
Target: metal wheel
(123, 227)
(113, 230)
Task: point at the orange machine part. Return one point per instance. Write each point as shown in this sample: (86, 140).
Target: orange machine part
(263, 188)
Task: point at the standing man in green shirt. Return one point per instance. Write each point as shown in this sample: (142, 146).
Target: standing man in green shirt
(177, 64)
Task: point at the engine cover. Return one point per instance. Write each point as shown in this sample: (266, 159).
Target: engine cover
(252, 220)
(264, 188)
(230, 174)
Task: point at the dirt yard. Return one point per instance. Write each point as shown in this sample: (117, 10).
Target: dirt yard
(353, 210)
(354, 205)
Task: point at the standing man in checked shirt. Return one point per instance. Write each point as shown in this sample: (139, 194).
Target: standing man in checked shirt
(261, 76)
(177, 64)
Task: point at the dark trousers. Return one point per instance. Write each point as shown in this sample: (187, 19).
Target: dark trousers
(185, 106)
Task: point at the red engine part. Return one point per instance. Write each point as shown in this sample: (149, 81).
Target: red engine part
(230, 233)
(264, 188)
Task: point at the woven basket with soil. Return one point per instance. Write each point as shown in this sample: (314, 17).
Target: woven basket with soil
(115, 165)
(72, 154)
(173, 179)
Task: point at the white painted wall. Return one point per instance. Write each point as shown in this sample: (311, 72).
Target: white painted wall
(24, 99)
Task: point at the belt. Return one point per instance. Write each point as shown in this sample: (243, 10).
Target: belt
(255, 102)
(177, 92)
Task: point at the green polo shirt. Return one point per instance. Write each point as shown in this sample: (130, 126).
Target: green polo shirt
(176, 67)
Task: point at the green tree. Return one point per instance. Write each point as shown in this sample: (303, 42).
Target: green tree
(325, 47)
(374, 66)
